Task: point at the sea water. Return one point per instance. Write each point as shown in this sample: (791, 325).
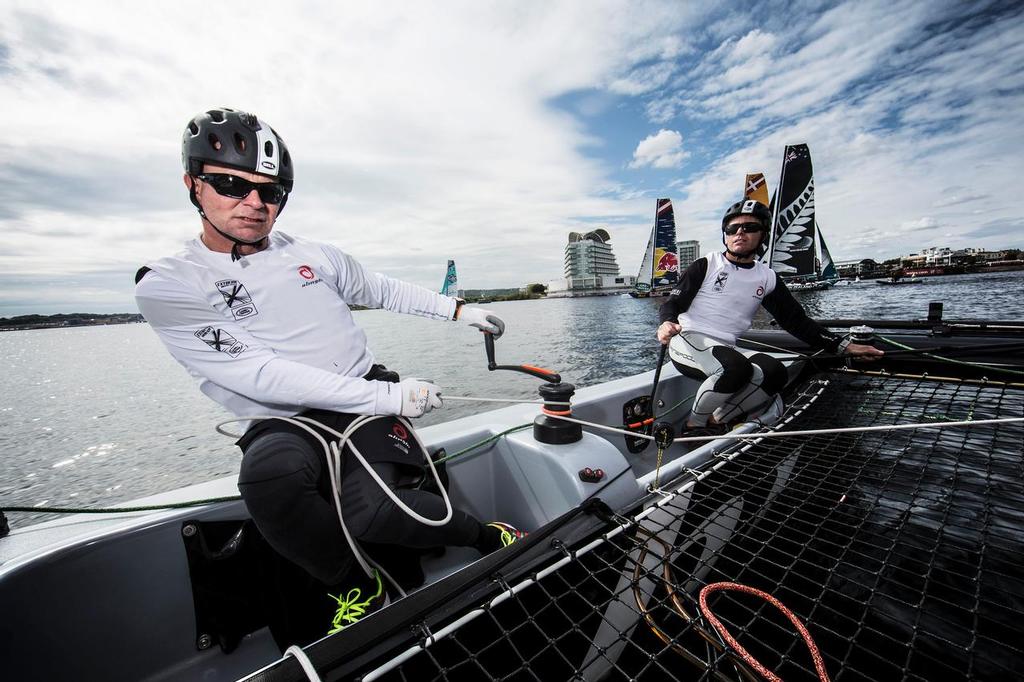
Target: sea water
(95, 416)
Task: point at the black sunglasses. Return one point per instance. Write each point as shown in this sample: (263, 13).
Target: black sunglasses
(239, 188)
(748, 228)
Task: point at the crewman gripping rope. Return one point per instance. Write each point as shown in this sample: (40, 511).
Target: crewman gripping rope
(263, 319)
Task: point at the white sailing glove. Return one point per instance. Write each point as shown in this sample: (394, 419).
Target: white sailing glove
(484, 320)
(419, 396)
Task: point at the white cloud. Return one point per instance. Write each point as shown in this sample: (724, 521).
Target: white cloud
(419, 133)
(664, 149)
(908, 128)
(644, 79)
(923, 223)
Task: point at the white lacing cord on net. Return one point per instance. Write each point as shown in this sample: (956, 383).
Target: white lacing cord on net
(303, 659)
(333, 453)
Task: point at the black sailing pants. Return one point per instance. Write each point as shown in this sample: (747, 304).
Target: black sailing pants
(285, 485)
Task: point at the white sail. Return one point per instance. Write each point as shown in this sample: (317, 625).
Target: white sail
(646, 275)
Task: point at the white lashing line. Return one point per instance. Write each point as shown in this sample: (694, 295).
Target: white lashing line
(333, 453)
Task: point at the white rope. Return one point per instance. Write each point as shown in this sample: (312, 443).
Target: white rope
(848, 429)
(333, 453)
(634, 434)
(344, 439)
(303, 659)
(783, 434)
(786, 351)
(473, 399)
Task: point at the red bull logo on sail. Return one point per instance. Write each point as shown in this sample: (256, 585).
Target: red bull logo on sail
(669, 262)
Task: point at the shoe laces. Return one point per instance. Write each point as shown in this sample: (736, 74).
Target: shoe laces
(509, 534)
(352, 607)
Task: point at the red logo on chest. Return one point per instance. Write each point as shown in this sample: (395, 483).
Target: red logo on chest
(306, 272)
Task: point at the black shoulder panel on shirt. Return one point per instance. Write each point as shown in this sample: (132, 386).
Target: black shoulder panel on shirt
(141, 273)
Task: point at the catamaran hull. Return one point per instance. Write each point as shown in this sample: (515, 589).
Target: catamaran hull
(115, 597)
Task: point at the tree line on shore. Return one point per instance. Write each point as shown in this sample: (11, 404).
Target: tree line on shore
(66, 320)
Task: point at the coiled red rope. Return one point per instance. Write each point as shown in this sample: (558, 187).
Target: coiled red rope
(819, 662)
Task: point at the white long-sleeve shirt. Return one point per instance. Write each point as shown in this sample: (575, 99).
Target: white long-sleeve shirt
(272, 333)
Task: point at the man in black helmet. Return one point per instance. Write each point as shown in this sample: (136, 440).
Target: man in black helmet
(715, 302)
(263, 320)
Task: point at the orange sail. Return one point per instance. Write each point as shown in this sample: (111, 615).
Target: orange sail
(756, 188)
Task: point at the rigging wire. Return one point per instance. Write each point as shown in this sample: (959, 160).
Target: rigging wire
(979, 365)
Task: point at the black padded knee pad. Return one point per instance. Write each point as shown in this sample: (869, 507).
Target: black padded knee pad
(276, 455)
(736, 369)
(775, 374)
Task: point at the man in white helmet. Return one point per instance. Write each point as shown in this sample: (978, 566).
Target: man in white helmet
(263, 320)
(714, 302)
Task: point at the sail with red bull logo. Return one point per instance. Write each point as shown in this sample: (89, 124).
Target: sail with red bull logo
(659, 269)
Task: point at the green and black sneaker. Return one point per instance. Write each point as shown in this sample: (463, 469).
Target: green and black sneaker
(496, 535)
(353, 606)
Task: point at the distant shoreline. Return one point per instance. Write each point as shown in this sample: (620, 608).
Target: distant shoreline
(69, 320)
(66, 320)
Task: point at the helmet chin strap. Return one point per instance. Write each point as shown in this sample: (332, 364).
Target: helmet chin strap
(735, 254)
(236, 242)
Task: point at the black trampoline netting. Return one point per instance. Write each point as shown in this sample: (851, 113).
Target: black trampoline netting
(898, 549)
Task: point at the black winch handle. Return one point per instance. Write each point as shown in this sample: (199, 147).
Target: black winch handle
(539, 372)
(657, 378)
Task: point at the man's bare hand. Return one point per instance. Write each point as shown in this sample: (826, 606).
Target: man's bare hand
(667, 330)
(864, 352)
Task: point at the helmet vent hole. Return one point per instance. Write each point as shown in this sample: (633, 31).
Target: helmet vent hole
(239, 143)
(193, 128)
(286, 161)
(217, 115)
(214, 142)
(268, 148)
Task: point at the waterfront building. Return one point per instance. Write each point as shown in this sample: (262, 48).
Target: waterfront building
(864, 267)
(589, 254)
(590, 268)
(688, 251)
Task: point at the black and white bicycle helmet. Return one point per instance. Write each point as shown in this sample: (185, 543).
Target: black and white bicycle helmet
(236, 139)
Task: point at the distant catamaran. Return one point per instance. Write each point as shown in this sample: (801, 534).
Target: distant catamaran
(659, 270)
(795, 230)
(451, 281)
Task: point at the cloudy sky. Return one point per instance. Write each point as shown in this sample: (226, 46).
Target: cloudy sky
(487, 131)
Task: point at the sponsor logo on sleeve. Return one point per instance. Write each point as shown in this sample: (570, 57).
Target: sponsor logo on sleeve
(238, 299)
(221, 341)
